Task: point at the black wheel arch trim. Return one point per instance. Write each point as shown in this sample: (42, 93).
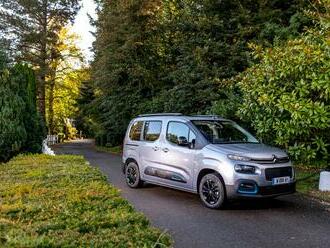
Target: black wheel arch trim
(206, 171)
(129, 160)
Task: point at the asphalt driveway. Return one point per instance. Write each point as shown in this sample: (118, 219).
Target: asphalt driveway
(288, 221)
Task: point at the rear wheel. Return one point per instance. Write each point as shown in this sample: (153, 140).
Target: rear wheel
(212, 191)
(132, 175)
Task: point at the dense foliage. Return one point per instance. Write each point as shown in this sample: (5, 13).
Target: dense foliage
(32, 28)
(65, 107)
(171, 56)
(64, 82)
(63, 202)
(286, 97)
(21, 128)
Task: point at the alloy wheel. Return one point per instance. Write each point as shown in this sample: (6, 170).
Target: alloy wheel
(212, 191)
(131, 175)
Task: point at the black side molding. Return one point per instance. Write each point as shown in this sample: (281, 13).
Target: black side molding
(165, 174)
(129, 144)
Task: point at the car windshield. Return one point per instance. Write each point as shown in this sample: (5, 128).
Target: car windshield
(224, 132)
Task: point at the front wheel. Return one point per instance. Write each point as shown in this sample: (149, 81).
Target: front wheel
(132, 175)
(212, 191)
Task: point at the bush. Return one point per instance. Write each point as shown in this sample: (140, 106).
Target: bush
(286, 96)
(229, 101)
(3, 58)
(33, 123)
(21, 128)
(12, 130)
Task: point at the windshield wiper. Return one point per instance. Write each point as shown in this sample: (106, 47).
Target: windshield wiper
(236, 142)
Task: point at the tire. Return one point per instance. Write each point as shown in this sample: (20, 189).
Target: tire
(132, 175)
(212, 191)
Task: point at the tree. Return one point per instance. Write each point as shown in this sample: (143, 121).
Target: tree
(33, 124)
(66, 94)
(207, 42)
(20, 124)
(66, 56)
(123, 73)
(84, 117)
(155, 56)
(3, 58)
(33, 27)
(12, 131)
(284, 96)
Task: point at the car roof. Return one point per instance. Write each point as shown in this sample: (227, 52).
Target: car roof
(179, 116)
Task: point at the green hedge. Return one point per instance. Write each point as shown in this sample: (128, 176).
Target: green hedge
(61, 201)
(21, 128)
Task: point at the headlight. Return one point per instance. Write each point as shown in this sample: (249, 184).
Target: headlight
(238, 158)
(247, 169)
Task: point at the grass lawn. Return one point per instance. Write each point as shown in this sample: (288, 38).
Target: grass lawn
(114, 150)
(308, 183)
(61, 201)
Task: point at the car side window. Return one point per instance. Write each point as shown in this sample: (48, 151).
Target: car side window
(177, 131)
(136, 129)
(152, 130)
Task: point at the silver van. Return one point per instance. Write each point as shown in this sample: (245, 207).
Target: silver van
(207, 155)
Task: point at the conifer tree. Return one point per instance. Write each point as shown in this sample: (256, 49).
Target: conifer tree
(32, 27)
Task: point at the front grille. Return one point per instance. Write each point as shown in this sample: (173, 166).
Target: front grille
(271, 173)
(278, 189)
(274, 160)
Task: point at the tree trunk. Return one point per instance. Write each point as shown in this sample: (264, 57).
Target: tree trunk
(51, 105)
(42, 94)
(43, 65)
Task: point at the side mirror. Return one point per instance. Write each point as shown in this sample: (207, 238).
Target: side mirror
(192, 144)
(182, 141)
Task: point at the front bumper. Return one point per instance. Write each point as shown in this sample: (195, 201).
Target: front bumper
(233, 191)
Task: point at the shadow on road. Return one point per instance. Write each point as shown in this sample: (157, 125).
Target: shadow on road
(238, 204)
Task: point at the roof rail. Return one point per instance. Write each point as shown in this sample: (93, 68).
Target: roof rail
(214, 116)
(160, 114)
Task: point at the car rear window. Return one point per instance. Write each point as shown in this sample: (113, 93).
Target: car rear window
(152, 130)
(136, 129)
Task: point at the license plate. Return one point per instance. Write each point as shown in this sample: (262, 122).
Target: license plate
(280, 180)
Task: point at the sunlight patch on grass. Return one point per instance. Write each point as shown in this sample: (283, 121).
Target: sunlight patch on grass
(60, 201)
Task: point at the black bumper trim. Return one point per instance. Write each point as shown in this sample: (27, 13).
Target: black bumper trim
(277, 189)
(263, 191)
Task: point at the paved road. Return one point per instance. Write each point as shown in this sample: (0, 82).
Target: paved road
(289, 221)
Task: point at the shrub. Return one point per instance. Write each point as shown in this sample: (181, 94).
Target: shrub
(12, 129)
(33, 123)
(3, 58)
(286, 96)
(228, 102)
(21, 128)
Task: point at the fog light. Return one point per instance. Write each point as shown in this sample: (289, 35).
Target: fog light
(247, 188)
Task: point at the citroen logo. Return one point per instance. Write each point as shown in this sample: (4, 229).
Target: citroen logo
(274, 158)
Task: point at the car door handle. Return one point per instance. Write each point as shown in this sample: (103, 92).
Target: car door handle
(156, 148)
(165, 149)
